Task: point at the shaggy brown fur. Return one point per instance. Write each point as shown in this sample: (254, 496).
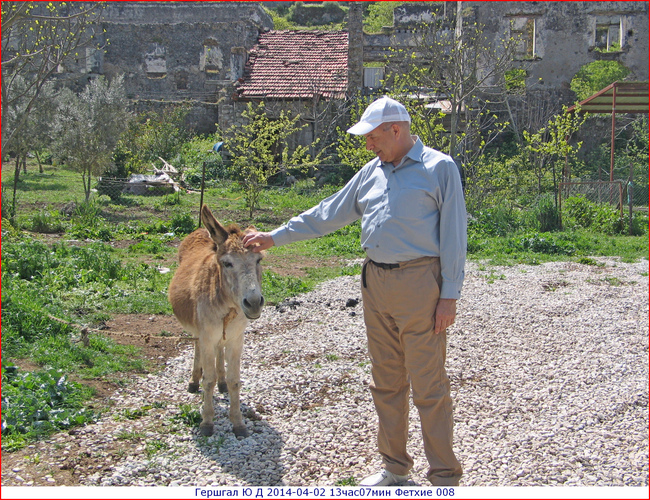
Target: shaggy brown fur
(215, 290)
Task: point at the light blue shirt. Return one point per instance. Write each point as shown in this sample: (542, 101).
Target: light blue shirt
(413, 210)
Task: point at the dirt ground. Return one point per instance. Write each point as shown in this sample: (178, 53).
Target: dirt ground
(45, 464)
(160, 337)
(49, 462)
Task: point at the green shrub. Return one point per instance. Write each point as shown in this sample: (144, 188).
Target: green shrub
(38, 404)
(578, 212)
(182, 224)
(547, 214)
(546, 243)
(500, 220)
(47, 221)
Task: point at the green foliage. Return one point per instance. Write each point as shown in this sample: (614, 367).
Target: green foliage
(38, 37)
(351, 149)
(547, 214)
(188, 415)
(47, 221)
(499, 220)
(182, 224)
(153, 135)
(71, 280)
(88, 127)
(260, 150)
(547, 149)
(378, 15)
(279, 21)
(197, 153)
(546, 243)
(515, 79)
(36, 404)
(578, 212)
(595, 76)
(532, 247)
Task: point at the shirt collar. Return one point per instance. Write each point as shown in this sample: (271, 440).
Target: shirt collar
(414, 154)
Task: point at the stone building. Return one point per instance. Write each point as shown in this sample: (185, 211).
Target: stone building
(209, 52)
(172, 52)
(557, 38)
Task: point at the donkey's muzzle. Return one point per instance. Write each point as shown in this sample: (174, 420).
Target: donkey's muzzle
(252, 306)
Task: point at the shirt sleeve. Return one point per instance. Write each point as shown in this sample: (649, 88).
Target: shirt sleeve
(334, 212)
(453, 231)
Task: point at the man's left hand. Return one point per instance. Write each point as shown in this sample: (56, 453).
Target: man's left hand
(445, 314)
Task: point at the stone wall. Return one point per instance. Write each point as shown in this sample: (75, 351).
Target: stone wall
(172, 52)
(566, 33)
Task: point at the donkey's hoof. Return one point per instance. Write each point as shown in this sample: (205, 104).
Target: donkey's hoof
(193, 387)
(223, 387)
(240, 431)
(206, 429)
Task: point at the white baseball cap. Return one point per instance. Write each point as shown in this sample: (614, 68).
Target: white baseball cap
(383, 110)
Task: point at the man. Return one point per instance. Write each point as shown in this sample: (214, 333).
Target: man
(414, 232)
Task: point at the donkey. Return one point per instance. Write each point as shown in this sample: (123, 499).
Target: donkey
(214, 292)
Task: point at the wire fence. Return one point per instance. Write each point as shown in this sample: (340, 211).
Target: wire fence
(618, 194)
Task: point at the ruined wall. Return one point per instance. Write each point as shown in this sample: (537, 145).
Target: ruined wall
(173, 52)
(558, 37)
(566, 35)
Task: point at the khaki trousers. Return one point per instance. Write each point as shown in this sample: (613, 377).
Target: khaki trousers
(399, 306)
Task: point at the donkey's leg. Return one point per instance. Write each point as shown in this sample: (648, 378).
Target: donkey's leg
(221, 371)
(233, 357)
(195, 380)
(207, 346)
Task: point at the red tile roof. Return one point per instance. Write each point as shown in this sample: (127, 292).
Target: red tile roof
(297, 64)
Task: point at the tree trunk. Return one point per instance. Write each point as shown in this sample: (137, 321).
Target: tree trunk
(13, 203)
(40, 165)
(454, 127)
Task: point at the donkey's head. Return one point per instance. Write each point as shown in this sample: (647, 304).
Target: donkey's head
(241, 270)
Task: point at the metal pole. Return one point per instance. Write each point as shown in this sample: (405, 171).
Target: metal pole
(630, 196)
(611, 163)
(202, 188)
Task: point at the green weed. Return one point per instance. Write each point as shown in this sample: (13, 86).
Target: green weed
(188, 415)
(37, 404)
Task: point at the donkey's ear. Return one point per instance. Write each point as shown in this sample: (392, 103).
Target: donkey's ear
(217, 232)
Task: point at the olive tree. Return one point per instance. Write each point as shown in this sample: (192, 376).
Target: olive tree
(37, 38)
(88, 126)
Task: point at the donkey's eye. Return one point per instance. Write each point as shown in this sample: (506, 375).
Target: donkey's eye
(226, 264)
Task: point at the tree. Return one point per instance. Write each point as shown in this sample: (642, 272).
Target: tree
(260, 149)
(37, 38)
(88, 126)
(550, 145)
(451, 58)
(351, 149)
(151, 136)
(378, 15)
(595, 76)
(35, 135)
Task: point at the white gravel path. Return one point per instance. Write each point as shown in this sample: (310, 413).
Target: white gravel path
(549, 374)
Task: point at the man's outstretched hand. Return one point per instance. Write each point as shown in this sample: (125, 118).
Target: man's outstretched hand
(259, 241)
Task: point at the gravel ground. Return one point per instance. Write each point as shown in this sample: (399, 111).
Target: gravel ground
(549, 374)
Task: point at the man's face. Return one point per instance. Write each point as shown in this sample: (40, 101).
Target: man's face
(383, 142)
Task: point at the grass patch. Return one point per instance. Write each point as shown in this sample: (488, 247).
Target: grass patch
(537, 248)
